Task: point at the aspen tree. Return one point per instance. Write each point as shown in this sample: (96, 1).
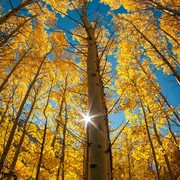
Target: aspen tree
(9, 142)
(19, 146)
(99, 165)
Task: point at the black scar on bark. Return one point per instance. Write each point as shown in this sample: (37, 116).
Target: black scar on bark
(93, 166)
(107, 150)
(99, 146)
(89, 144)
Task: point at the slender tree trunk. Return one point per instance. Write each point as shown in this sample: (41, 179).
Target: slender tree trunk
(11, 13)
(165, 9)
(11, 136)
(42, 150)
(17, 152)
(169, 126)
(15, 31)
(150, 141)
(169, 106)
(99, 165)
(44, 135)
(171, 37)
(173, 70)
(167, 118)
(160, 93)
(60, 112)
(12, 71)
(54, 137)
(58, 172)
(165, 32)
(172, 134)
(4, 113)
(6, 110)
(61, 169)
(164, 153)
(64, 142)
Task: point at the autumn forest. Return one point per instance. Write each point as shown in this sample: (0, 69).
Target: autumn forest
(89, 90)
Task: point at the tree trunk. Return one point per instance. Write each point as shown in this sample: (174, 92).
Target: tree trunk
(166, 9)
(12, 71)
(163, 150)
(17, 152)
(99, 165)
(6, 109)
(160, 93)
(60, 111)
(164, 153)
(61, 169)
(44, 135)
(11, 136)
(15, 31)
(64, 143)
(164, 59)
(150, 141)
(4, 18)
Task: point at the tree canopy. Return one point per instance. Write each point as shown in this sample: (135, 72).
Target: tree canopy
(89, 89)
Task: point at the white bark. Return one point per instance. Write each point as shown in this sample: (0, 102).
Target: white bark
(99, 158)
(99, 165)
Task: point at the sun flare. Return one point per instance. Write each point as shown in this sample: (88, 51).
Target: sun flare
(87, 118)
